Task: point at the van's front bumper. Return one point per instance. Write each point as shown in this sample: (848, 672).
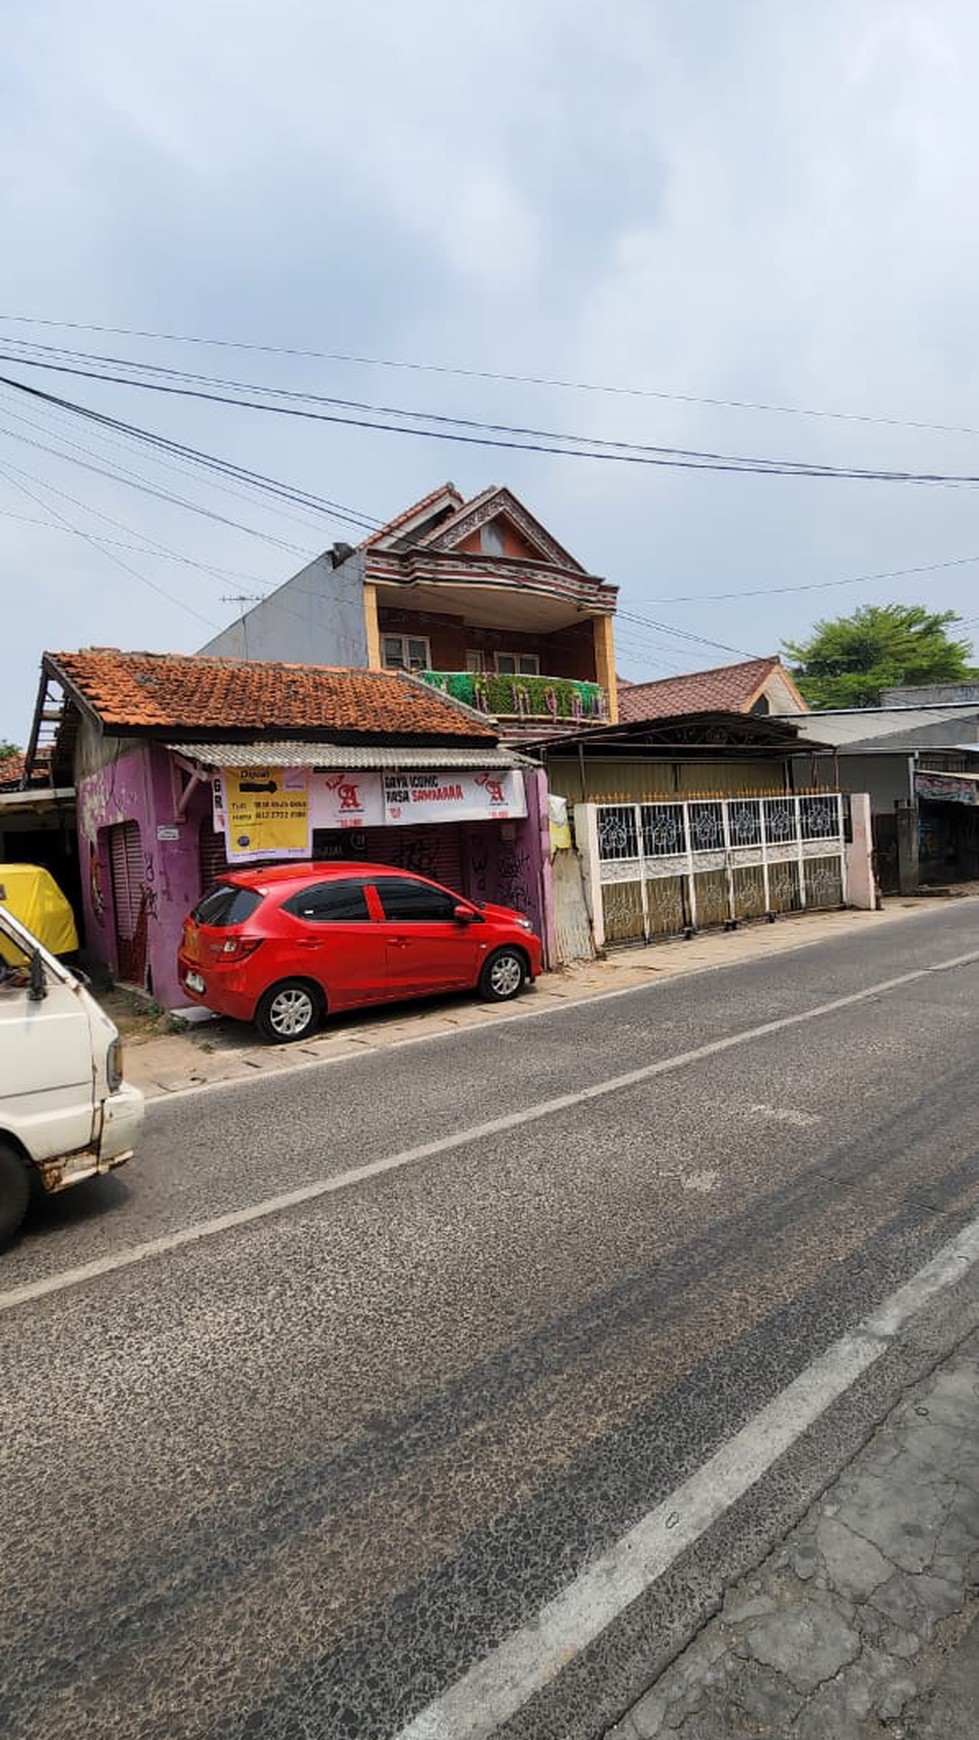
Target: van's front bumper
(122, 1120)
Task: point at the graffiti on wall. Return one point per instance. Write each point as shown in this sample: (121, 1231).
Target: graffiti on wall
(514, 876)
(95, 894)
(477, 867)
(418, 855)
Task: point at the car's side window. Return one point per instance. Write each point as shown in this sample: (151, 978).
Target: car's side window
(413, 902)
(330, 903)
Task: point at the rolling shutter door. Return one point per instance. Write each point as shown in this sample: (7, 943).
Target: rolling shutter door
(213, 856)
(433, 851)
(127, 874)
(129, 901)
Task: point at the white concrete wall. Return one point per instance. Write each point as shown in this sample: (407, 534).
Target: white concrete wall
(316, 618)
(861, 889)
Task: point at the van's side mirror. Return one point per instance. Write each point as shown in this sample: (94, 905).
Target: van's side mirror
(464, 915)
(37, 988)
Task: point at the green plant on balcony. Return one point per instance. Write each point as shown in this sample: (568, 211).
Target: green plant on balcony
(523, 697)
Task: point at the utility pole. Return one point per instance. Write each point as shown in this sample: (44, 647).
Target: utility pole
(241, 599)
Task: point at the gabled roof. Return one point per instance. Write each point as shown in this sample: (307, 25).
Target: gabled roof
(146, 694)
(443, 520)
(725, 688)
(499, 502)
(415, 519)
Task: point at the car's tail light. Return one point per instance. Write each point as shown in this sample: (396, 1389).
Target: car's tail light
(235, 948)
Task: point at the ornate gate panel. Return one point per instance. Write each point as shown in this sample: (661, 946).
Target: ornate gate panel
(668, 867)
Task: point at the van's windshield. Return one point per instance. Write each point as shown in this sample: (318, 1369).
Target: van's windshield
(15, 962)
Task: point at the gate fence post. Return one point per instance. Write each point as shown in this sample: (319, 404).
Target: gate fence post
(586, 841)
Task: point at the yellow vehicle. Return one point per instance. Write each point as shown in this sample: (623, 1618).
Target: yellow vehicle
(32, 895)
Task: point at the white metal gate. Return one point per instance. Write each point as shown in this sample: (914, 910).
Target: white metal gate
(666, 867)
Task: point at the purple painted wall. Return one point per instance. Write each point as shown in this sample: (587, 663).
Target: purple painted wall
(510, 862)
(505, 862)
(140, 787)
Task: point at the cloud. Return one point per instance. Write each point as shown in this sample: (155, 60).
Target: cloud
(761, 202)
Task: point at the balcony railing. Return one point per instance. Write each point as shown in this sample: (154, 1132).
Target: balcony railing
(553, 700)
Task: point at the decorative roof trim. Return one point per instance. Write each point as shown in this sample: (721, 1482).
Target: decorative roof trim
(487, 506)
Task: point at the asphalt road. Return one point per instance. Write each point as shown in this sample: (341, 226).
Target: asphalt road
(289, 1469)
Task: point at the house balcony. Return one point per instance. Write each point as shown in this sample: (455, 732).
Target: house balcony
(562, 702)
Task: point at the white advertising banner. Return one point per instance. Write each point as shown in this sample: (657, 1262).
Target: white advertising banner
(347, 800)
(453, 797)
(271, 811)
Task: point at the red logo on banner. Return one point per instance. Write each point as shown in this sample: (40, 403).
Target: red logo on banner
(347, 790)
(493, 788)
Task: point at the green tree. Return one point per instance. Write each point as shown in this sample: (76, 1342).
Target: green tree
(847, 661)
(7, 750)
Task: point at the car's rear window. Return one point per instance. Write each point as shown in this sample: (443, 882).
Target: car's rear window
(226, 904)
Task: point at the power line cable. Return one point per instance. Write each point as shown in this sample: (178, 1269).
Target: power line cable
(492, 434)
(143, 549)
(150, 546)
(497, 375)
(686, 634)
(319, 504)
(660, 627)
(125, 443)
(133, 481)
(125, 566)
(366, 522)
(818, 585)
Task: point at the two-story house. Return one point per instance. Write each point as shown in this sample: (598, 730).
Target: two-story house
(475, 596)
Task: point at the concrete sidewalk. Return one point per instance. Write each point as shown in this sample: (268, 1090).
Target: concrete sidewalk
(219, 1050)
(865, 1622)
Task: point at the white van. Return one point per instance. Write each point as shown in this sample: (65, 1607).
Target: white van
(65, 1111)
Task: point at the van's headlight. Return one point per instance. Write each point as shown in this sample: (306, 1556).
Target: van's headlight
(113, 1065)
(524, 923)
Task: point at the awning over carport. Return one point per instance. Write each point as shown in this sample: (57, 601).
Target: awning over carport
(380, 757)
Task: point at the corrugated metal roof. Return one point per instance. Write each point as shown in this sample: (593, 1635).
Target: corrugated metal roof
(871, 724)
(283, 753)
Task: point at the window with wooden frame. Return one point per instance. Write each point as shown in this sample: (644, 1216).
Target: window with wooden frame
(518, 664)
(406, 652)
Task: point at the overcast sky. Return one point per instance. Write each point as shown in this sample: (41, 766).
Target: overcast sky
(763, 200)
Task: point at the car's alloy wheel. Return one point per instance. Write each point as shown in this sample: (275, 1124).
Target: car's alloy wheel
(288, 1011)
(503, 975)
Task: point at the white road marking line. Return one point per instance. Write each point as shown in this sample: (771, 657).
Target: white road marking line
(367, 1047)
(304, 1193)
(497, 1687)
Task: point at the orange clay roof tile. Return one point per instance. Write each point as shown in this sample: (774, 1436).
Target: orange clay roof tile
(139, 691)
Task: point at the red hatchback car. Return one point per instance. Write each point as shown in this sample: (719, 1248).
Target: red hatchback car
(282, 946)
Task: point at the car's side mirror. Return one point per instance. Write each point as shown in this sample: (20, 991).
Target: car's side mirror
(464, 915)
(37, 986)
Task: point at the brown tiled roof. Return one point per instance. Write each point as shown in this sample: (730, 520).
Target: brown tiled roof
(142, 692)
(726, 689)
(11, 772)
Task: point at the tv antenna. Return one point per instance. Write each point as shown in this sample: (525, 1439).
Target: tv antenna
(241, 599)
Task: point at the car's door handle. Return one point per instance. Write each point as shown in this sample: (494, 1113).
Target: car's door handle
(397, 942)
